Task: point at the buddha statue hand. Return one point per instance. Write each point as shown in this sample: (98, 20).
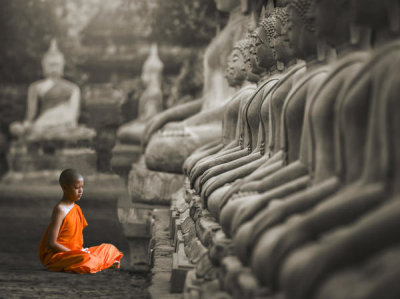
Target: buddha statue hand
(174, 129)
(175, 114)
(241, 194)
(20, 129)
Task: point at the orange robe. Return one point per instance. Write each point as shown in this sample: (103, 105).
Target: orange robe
(78, 261)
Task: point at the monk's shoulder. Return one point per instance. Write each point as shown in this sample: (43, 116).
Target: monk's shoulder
(59, 212)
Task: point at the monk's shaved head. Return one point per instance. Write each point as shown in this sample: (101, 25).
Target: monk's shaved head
(69, 176)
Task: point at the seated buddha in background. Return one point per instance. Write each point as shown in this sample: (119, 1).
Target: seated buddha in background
(53, 105)
(171, 136)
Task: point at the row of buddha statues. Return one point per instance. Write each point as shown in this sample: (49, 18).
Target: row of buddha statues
(298, 164)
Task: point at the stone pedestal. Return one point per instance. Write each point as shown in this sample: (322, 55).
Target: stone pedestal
(26, 158)
(123, 156)
(152, 187)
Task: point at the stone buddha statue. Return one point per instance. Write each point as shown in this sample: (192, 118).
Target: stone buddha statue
(150, 102)
(53, 105)
(128, 149)
(320, 153)
(363, 180)
(50, 137)
(265, 65)
(237, 76)
(197, 123)
(361, 223)
(295, 112)
(270, 114)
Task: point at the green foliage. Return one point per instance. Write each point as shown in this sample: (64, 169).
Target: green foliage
(26, 28)
(184, 22)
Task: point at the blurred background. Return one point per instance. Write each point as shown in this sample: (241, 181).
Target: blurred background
(105, 44)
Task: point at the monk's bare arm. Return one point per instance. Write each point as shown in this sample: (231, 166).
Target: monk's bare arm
(55, 224)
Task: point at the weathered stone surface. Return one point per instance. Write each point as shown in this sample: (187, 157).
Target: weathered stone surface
(192, 286)
(23, 160)
(206, 227)
(180, 267)
(211, 290)
(123, 156)
(220, 247)
(205, 269)
(195, 250)
(151, 186)
(188, 230)
(162, 264)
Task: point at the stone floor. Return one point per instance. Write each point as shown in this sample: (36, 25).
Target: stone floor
(24, 215)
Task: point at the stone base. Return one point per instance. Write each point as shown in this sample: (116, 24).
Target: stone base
(180, 267)
(123, 156)
(22, 160)
(152, 187)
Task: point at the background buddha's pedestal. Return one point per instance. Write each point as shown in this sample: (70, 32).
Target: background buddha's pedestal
(152, 187)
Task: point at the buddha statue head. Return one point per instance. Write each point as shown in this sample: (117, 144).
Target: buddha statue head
(236, 72)
(328, 27)
(53, 61)
(152, 67)
(227, 5)
(377, 14)
(301, 29)
(283, 50)
(263, 47)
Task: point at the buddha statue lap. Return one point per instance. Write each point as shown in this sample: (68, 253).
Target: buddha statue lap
(374, 278)
(198, 122)
(321, 146)
(365, 182)
(50, 129)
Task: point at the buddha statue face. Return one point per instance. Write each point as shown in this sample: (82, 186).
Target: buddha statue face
(53, 62)
(226, 5)
(284, 51)
(301, 29)
(264, 55)
(372, 13)
(236, 71)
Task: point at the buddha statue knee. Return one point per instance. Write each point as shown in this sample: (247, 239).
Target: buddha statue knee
(374, 278)
(162, 152)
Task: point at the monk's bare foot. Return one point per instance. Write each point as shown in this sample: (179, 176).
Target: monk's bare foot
(115, 265)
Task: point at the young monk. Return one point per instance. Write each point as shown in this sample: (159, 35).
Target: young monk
(61, 248)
